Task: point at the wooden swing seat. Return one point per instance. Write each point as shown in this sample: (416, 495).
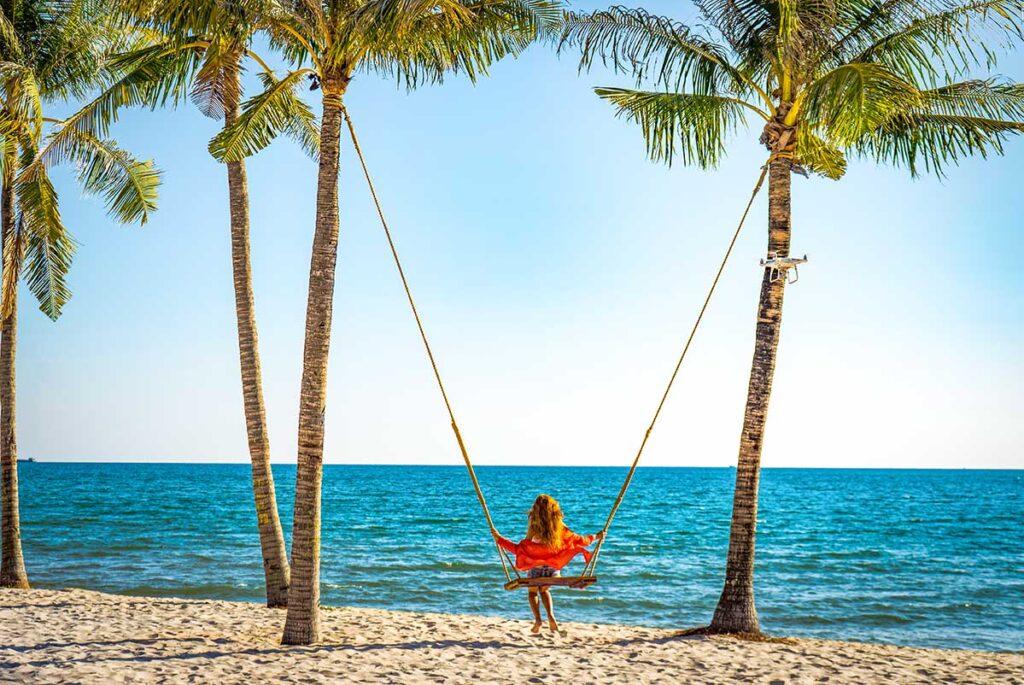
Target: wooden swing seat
(575, 582)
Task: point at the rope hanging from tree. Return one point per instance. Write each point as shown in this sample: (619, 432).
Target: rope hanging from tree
(506, 561)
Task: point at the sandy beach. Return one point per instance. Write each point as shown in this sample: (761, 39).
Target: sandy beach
(65, 636)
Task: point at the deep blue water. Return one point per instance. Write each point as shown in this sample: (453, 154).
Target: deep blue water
(927, 558)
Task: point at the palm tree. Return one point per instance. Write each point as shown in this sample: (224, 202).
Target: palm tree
(879, 79)
(416, 41)
(49, 51)
(204, 44)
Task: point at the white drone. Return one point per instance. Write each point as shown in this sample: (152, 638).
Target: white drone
(779, 265)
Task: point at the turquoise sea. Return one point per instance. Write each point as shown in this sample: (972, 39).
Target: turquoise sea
(926, 558)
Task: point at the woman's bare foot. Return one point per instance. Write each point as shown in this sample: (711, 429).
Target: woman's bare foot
(553, 624)
(536, 627)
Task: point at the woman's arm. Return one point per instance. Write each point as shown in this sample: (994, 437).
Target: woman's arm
(575, 540)
(504, 543)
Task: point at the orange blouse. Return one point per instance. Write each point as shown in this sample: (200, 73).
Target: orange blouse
(531, 554)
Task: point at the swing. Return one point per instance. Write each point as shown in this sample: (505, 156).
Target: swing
(514, 580)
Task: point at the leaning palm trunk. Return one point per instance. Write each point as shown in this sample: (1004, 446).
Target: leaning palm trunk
(275, 557)
(302, 625)
(12, 568)
(736, 612)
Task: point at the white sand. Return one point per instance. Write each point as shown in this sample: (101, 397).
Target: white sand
(76, 636)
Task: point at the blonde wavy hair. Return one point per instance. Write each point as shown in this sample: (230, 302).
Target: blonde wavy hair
(545, 521)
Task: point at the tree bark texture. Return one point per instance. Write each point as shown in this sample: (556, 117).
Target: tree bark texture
(736, 611)
(12, 567)
(275, 557)
(302, 625)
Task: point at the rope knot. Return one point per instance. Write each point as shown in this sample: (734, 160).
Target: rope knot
(333, 87)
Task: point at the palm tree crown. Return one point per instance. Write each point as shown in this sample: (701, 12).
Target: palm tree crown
(54, 51)
(414, 41)
(882, 79)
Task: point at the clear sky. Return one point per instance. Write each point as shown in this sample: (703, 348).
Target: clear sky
(558, 272)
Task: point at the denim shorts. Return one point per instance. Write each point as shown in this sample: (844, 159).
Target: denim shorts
(543, 572)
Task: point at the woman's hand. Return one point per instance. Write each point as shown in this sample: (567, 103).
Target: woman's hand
(495, 534)
(599, 535)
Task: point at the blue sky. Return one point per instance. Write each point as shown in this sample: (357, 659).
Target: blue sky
(558, 271)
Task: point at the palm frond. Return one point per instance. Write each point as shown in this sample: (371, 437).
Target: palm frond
(301, 122)
(36, 196)
(937, 38)
(982, 98)
(47, 263)
(216, 83)
(646, 46)
(129, 187)
(817, 156)
(69, 40)
(48, 247)
(422, 42)
(263, 117)
(148, 77)
(748, 26)
(24, 99)
(693, 127)
(950, 124)
(10, 44)
(855, 99)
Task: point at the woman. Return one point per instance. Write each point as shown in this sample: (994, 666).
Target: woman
(546, 549)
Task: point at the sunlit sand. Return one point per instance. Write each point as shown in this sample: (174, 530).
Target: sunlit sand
(50, 636)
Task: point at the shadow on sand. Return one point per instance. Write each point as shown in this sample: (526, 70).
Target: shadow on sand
(267, 651)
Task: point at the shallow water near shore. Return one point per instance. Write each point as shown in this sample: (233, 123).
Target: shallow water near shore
(911, 557)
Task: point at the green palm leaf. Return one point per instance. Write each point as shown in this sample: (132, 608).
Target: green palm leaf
(148, 77)
(693, 127)
(817, 156)
(652, 48)
(47, 246)
(421, 42)
(128, 186)
(24, 99)
(922, 37)
(47, 263)
(10, 45)
(301, 123)
(263, 117)
(215, 83)
(949, 124)
(855, 99)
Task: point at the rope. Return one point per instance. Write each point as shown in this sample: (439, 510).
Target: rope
(592, 564)
(506, 562)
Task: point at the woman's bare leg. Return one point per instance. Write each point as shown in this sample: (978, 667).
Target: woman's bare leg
(545, 596)
(531, 595)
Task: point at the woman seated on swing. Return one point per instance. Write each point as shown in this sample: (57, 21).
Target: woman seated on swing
(547, 548)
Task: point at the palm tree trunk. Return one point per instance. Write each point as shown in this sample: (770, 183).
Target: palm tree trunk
(12, 567)
(275, 558)
(302, 625)
(736, 612)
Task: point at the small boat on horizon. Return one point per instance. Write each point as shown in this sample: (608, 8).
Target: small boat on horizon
(30, 460)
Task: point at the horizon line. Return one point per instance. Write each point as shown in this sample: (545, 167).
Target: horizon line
(527, 466)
